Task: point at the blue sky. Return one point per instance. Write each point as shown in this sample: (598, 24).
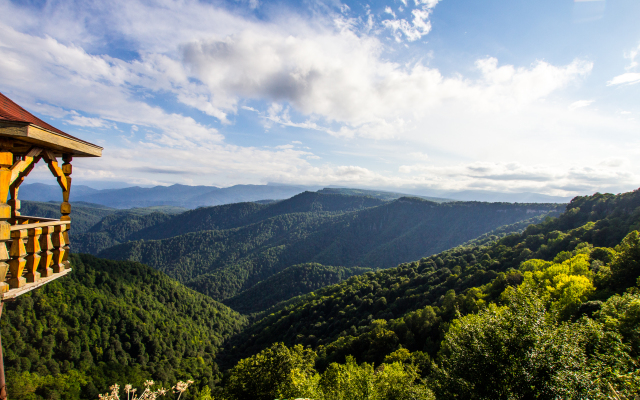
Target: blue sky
(419, 95)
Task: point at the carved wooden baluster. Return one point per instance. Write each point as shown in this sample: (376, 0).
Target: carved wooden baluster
(67, 249)
(6, 161)
(46, 253)
(33, 254)
(17, 262)
(65, 207)
(58, 248)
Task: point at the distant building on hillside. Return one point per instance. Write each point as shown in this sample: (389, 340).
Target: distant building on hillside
(33, 250)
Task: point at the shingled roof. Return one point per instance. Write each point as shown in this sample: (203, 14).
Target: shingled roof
(10, 112)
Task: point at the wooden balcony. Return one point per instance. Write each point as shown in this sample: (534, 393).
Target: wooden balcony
(36, 253)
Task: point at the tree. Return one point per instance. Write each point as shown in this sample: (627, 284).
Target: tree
(625, 268)
(393, 381)
(276, 372)
(565, 285)
(513, 352)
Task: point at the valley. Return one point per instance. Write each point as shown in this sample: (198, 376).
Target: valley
(347, 277)
(224, 250)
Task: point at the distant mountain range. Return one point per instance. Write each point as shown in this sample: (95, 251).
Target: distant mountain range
(175, 195)
(493, 197)
(191, 197)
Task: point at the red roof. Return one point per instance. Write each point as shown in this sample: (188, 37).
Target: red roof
(10, 111)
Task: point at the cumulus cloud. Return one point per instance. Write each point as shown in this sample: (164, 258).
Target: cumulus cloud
(336, 75)
(340, 76)
(331, 76)
(419, 25)
(72, 79)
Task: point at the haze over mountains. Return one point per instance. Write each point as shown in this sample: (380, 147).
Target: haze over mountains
(198, 196)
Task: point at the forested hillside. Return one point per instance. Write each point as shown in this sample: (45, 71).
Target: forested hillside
(84, 215)
(164, 222)
(108, 322)
(237, 215)
(290, 282)
(378, 194)
(311, 227)
(114, 229)
(551, 313)
(96, 227)
(333, 318)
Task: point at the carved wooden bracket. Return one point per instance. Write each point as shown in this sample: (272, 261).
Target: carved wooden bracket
(21, 169)
(56, 170)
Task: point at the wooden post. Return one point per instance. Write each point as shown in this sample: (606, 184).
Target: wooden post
(65, 207)
(6, 161)
(3, 384)
(13, 202)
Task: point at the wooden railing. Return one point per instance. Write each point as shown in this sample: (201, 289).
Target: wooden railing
(38, 250)
(26, 219)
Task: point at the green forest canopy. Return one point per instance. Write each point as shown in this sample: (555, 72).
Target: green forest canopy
(568, 284)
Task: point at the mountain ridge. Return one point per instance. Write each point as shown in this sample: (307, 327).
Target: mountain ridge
(223, 262)
(191, 197)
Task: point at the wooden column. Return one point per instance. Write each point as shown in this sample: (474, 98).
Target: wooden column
(65, 207)
(13, 202)
(6, 161)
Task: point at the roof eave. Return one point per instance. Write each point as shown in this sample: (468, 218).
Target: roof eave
(43, 137)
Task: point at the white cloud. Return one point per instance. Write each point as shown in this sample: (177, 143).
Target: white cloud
(427, 3)
(88, 122)
(340, 76)
(555, 179)
(388, 10)
(631, 55)
(72, 79)
(629, 78)
(419, 25)
(614, 162)
(336, 75)
(580, 103)
(332, 76)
